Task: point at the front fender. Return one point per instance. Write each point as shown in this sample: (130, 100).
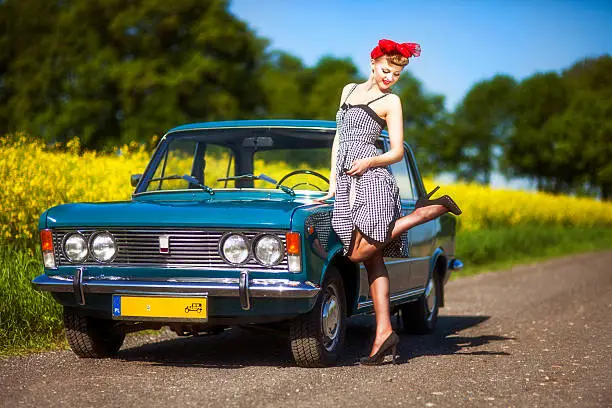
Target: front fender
(335, 250)
(324, 250)
(42, 221)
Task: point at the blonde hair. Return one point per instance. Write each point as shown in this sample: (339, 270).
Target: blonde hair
(396, 58)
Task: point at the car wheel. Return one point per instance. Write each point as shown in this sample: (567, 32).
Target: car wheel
(420, 317)
(317, 337)
(90, 337)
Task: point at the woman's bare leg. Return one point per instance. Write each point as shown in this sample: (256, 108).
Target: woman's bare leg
(379, 290)
(417, 217)
(362, 249)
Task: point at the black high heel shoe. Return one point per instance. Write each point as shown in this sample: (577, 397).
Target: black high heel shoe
(445, 200)
(390, 343)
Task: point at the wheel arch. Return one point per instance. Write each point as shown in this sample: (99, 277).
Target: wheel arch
(349, 272)
(439, 265)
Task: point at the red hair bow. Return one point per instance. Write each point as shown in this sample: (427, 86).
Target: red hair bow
(387, 46)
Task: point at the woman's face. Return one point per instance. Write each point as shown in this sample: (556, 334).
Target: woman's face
(385, 73)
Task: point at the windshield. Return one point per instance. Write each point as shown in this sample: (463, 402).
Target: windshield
(263, 162)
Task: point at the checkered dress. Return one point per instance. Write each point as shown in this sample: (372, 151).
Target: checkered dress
(369, 202)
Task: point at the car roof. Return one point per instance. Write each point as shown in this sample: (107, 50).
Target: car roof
(263, 123)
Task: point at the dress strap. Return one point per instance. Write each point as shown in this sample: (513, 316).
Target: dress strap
(374, 100)
(350, 92)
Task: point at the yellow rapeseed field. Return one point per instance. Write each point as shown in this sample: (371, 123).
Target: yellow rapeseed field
(36, 177)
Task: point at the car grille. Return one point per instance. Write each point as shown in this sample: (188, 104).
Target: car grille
(189, 248)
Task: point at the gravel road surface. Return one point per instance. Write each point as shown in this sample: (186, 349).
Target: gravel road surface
(535, 336)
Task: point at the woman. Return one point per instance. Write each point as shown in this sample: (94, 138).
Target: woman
(366, 215)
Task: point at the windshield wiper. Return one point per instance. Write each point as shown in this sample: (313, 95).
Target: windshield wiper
(189, 179)
(263, 177)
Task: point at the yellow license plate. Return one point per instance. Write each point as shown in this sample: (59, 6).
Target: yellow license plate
(158, 307)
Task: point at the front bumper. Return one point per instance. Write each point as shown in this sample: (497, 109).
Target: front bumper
(244, 288)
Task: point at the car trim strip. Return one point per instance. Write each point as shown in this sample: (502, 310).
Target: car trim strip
(395, 297)
(189, 248)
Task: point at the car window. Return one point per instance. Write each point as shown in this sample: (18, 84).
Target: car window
(238, 159)
(404, 179)
(219, 163)
(206, 162)
(281, 163)
(177, 160)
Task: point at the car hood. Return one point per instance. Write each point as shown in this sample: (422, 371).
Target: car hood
(226, 213)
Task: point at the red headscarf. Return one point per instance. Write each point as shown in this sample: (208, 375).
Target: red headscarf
(387, 46)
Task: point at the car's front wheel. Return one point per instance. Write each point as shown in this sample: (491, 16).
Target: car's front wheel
(90, 337)
(420, 317)
(317, 337)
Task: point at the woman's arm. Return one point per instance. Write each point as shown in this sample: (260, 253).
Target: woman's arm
(395, 124)
(334, 154)
(332, 172)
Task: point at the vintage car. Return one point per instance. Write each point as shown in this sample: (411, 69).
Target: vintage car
(222, 230)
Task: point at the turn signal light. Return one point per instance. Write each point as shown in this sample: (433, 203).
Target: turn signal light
(46, 240)
(292, 241)
(46, 243)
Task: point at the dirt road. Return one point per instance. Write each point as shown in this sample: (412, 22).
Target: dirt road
(535, 336)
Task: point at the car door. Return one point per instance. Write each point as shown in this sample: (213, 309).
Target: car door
(399, 266)
(421, 237)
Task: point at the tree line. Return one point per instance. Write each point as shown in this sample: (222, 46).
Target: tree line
(115, 71)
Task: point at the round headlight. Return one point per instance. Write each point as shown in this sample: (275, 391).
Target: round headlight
(235, 248)
(75, 247)
(103, 247)
(269, 250)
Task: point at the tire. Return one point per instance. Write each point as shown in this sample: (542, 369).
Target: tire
(420, 317)
(317, 337)
(90, 337)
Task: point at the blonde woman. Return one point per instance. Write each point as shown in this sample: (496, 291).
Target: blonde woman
(366, 215)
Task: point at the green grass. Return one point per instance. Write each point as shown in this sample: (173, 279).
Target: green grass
(31, 320)
(489, 250)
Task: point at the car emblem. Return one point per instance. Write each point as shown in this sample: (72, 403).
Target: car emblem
(164, 244)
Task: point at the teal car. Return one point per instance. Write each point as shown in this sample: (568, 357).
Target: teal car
(222, 230)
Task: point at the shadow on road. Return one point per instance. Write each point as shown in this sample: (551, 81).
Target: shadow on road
(447, 340)
(238, 347)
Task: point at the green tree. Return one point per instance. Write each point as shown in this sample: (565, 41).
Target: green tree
(590, 73)
(589, 118)
(322, 85)
(531, 151)
(481, 125)
(583, 139)
(114, 71)
(425, 120)
(563, 128)
(281, 83)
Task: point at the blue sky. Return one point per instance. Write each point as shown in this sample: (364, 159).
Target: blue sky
(463, 41)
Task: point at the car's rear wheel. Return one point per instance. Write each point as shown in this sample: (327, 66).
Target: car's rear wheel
(91, 337)
(317, 337)
(420, 317)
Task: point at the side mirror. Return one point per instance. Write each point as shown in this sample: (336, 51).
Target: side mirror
(134, 179)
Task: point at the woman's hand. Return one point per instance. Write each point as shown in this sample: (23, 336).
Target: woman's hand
(330, 194)
(358, 167)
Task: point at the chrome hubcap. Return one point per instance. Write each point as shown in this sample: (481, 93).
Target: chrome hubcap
(330, 318)
(430, 297)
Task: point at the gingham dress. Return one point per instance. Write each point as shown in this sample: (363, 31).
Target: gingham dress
(369, 202)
